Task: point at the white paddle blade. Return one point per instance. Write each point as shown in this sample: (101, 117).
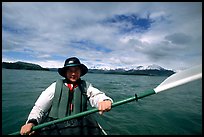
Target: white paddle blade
(180, 78)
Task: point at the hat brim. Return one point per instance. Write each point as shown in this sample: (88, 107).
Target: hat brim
(62, 71)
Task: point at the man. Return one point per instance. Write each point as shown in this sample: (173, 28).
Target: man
(66, 97)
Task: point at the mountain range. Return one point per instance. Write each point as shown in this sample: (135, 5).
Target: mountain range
(151, 70)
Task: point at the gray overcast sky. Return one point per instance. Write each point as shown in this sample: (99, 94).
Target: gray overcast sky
(107, 34)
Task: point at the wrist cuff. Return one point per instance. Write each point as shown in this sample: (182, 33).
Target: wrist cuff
(34, 121)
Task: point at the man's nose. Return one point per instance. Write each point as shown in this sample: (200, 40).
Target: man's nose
(73, 72)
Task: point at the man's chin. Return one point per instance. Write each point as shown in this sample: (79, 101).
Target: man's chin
(73, 80)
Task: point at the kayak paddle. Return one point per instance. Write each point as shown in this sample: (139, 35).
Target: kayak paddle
(172, 81)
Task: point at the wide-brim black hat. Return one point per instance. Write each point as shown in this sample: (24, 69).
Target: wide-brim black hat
(71, 62)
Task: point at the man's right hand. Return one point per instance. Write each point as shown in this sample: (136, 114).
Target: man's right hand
(26, 129)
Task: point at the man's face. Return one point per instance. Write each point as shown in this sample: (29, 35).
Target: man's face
(73, 73)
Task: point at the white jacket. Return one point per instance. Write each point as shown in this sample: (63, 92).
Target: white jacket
(44, 101)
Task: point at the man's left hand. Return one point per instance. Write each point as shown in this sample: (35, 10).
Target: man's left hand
(104, 106)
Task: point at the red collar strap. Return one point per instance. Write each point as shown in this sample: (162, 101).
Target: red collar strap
(71, 86)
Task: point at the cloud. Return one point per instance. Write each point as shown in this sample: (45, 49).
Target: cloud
(178, 38)
(112, 34)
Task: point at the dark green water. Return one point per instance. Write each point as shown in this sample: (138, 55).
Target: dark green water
(173, 112)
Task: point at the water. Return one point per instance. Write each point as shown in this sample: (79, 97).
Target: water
(173, 112)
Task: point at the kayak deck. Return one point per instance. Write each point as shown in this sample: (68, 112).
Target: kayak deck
(82, 126)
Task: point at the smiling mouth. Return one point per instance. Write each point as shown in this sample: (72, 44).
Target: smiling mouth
(73, 77)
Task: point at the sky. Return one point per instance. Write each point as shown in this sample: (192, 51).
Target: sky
(103, 34)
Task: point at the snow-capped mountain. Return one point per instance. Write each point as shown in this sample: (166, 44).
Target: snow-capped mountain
(138, 70)
(149, 67)
(155, 67)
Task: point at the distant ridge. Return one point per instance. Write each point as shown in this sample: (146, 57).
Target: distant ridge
(151, 70)
(22, 65)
